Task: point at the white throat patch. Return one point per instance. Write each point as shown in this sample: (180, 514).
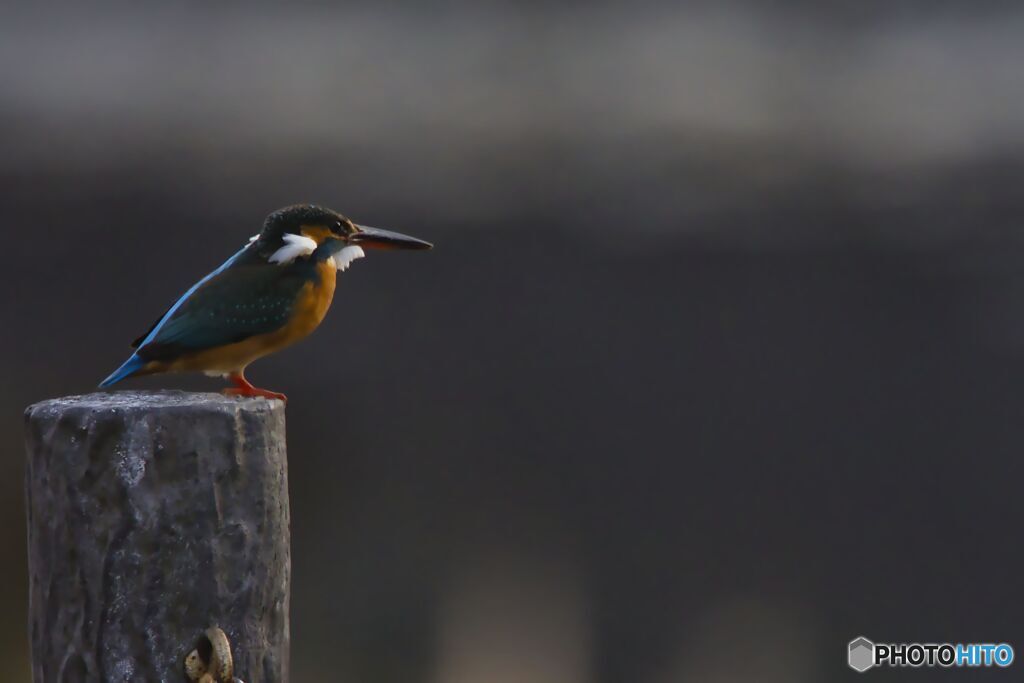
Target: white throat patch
(294, 247)
(344, 258)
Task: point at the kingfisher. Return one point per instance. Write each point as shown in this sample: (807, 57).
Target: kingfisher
(272, 293)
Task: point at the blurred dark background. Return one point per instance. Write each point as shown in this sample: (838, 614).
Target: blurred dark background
(716, 365)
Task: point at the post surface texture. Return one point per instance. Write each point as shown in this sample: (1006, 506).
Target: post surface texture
(151, 517)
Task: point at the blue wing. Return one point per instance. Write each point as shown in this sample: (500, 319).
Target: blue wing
(134, 363)
(242, 301)
(244, 297)
(155, 329)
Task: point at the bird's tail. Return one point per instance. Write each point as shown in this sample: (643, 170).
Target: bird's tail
(129, 368)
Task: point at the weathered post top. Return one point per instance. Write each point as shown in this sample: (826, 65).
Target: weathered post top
(153, 516)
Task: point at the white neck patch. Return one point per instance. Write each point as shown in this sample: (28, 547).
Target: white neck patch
(344, 258)
(294, 247)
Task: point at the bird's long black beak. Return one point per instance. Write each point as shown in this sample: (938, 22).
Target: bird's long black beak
(375, 238)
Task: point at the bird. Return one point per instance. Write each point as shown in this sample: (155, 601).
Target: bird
(270, 294)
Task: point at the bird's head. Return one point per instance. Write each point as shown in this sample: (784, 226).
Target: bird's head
(304, 229)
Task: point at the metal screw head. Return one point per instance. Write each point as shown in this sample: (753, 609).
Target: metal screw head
(211, 661)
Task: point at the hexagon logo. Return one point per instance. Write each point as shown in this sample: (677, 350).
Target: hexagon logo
(862, 654)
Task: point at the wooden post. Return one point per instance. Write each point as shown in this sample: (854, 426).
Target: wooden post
(151, 518)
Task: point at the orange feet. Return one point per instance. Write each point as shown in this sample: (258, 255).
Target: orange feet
(244, 389)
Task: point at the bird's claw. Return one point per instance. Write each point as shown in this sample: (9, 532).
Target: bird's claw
(254, 393)
(244, 389)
